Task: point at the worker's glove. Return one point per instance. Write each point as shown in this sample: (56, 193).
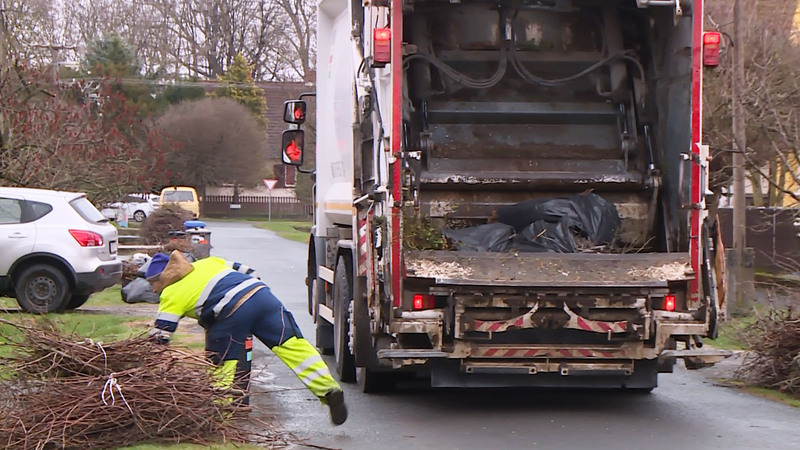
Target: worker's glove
(160, 336)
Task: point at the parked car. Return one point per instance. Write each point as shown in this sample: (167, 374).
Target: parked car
(136, 207)
(183, 196)
(56, 249)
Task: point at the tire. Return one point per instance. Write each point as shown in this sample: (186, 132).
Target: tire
(139, 216)
(42, 289)
(311, 280)
(77, 301)
(638, 391)
(372, 381)
(342, 296)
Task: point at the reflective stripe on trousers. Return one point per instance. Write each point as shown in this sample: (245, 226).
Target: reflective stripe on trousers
(225, 374)
(300, 356)
(307, 364)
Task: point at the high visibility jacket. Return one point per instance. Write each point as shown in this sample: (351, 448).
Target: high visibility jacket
(210, 291)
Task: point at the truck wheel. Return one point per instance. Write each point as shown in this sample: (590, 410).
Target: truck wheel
(342, 296)
(77, 301)
(42, 289)
(372, 381)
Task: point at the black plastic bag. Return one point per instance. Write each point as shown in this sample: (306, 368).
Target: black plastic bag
(492, 237)
(139, 291)
(588, 214)
(543, 236)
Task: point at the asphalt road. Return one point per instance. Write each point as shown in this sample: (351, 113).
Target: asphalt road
(687, 410)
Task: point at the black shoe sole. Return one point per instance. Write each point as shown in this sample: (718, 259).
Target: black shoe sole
(338, 409)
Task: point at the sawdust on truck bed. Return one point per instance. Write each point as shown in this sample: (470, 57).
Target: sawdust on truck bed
(528, 269)
(671, 271)
(434, 269)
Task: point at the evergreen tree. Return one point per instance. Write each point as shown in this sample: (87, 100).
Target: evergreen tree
(111, 57)
(239, 86)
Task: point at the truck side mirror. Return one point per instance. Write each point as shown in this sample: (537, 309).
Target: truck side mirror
(294, 111)
(292, 145)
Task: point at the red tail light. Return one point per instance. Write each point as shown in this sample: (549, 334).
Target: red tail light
(711, 43)
(381, 46)
(87, 238)
(423, 301)
(669, 302)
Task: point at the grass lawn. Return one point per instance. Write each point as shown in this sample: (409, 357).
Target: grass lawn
(730, 333)
(100, 327)
(288, 229)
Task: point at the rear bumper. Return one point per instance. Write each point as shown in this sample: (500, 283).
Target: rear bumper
(104, 276)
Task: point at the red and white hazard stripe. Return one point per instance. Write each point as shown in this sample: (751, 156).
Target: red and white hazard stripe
(598, 326)
(498, 326)
(526, 321)
(363, 246)
(549, 352)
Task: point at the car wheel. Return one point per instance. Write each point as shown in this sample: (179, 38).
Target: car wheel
(139, 216)
(76, 301)
(42, 289)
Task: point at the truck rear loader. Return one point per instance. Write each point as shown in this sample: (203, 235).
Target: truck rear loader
(509, 192)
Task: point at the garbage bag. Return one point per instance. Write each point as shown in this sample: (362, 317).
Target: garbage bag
(139, 291)
(543, 236)
(588, 214)
(492, 237)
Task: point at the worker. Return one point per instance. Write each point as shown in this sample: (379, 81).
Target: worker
(230, 302)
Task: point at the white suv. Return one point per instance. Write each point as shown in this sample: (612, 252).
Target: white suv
(56, 249)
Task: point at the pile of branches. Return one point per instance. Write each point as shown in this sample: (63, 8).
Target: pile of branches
(157, 226)
(67, 392)
(774, 341)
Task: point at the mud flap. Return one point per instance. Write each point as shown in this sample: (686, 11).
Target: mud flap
(709, 274)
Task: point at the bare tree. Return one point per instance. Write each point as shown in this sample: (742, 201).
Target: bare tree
(56, 139)
(771, 97)
(221, 142)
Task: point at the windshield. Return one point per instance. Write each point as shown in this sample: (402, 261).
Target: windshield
(178, 196)
(87, 210)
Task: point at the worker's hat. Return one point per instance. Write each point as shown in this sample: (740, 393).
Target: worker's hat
(165, 270)
(157, 265)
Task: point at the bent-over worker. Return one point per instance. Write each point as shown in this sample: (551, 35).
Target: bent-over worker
(230, 302)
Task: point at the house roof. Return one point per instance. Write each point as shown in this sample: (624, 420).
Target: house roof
(276, 93)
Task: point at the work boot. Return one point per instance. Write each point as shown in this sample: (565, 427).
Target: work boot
(335, 401)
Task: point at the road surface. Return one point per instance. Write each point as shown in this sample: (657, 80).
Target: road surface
(687, 410)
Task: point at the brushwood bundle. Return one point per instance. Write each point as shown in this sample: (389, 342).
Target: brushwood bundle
(67, 392)
(774, 341)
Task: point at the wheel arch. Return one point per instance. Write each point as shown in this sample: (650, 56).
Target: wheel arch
(43, 258)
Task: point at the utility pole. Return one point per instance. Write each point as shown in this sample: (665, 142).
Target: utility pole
(3, 61)
(739, 147)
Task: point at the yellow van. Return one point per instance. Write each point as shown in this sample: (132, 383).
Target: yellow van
(183, 196)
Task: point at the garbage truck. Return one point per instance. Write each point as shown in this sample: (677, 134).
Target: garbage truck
(509, 192)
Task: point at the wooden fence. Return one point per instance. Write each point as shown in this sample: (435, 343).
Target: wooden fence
(771, 232)
(281, 207)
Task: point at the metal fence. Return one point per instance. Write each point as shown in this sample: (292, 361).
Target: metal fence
(279, 207)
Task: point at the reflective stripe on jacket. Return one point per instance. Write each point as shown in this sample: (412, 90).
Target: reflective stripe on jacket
(209, 291)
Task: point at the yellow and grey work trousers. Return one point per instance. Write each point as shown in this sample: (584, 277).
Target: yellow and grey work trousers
(264, 316)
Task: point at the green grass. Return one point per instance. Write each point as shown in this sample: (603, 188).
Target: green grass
(288, 229)
(730, 333)
(775, 395)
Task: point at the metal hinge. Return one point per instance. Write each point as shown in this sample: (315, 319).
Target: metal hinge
(674, 3)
